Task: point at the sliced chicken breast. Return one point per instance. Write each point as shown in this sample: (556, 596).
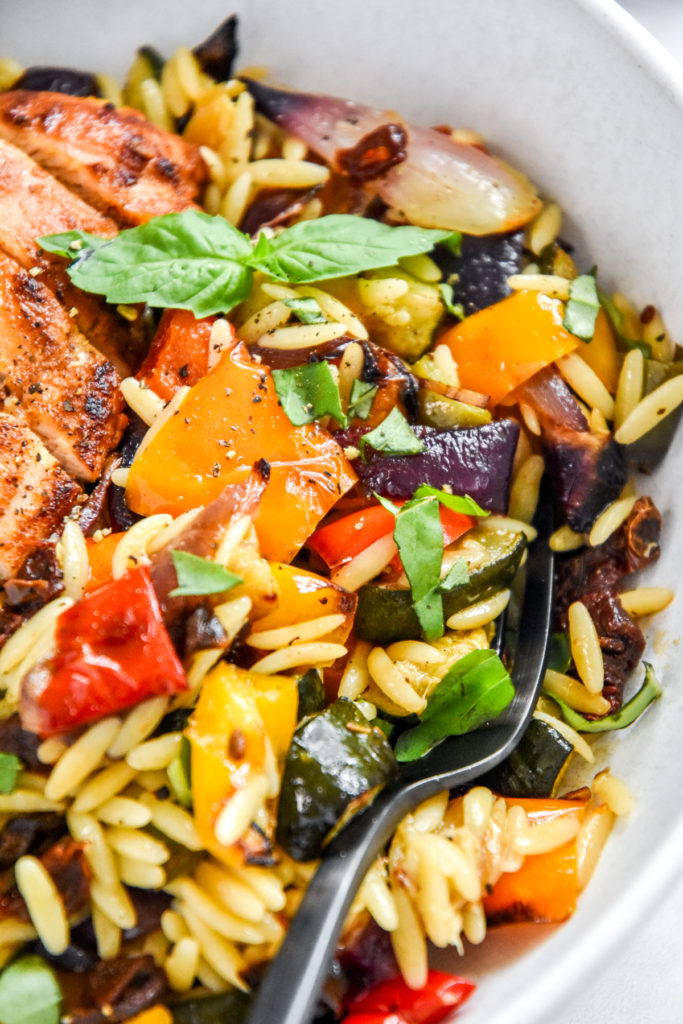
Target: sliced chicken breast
(35, 494)
(113, 158)
(33, 203)
(67, 392)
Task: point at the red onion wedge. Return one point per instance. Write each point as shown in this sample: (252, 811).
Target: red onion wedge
(428, 179)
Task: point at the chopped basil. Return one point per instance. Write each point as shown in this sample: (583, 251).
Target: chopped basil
(582, 308)
(616, 318)
(455, 502)
(457, 575)
(453, 242)
(197, 576)
(29, 993)
(10, 766)
(306, 310)
(393, 436)
(194, 261)
(648, 692)
(474, 691)
(361, 399)
(456, 309)
(419, 538)
(308, 392)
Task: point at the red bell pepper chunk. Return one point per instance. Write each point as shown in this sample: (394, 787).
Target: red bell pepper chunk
(442, 993)
(343, 539)
(112, 651)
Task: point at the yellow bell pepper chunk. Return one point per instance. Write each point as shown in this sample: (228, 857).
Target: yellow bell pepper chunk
(154, 1015)
(236, 711)
(304, 595)
(500, 347)
(601, 353)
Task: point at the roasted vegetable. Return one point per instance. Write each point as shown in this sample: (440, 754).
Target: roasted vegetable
(229, 1006)
(475, 461)
(502, 346)
(335, 765)
(311, 693)
(302, 596)
(648, 451)
(479, 272)
(536, 765)
(66, 80)
(386, 614)
(405, 323)
(216, 55)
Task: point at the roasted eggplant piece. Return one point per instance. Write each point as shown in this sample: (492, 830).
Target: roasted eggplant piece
(217, 54)
(335, 765)
(479, 273)
(475, 461)
(386, 614)
(536, 765)
(65, 80)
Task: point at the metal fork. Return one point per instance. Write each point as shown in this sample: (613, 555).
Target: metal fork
(290, 988)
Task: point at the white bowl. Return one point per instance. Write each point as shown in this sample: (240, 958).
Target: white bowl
(577, 95)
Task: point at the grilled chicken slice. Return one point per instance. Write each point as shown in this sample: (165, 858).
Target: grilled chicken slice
(35, 494)
(33, 203)
(113, 158)
(67, 392)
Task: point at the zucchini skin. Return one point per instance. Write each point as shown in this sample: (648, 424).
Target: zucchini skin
(535, 766)
(385, 614)
(336, 759)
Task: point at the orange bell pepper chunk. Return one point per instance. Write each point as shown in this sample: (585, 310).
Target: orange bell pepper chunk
(500, 347)
(546, 887)
(229, 420)
(601, 353)
(235, 713)
(180, 352)
(153, 1015)
(100, 555)
(303, 596)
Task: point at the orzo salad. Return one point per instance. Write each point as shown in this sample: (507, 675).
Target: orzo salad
(281, 376)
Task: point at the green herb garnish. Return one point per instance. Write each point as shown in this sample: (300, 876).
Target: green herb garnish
(179, 773)
(29, 993)
(194, 261)
(306, 310)
(419, 538)
(308, 392)
(453, 241)
(455, 502)
(197, 576)
(393, 436)
(474, 691)
(648, 692)
(10, 766)
(582, 307)
(361, 399)
(458, 575)
(456, 309)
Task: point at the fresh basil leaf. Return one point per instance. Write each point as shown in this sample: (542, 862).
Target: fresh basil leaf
(388, 505)
(306, 310)
(10, 766)
(70, 244)
(429, 611)
(337, 245)
(181, 260)
(648, 692)
(457, 576)
(456, 309)
(474, 691)
(455, 502)
(393, 436)
(361, 399)
(582, 308)
(197, 576)
(29, 993)
(559, 653)
(453, 242)
(308, 392)
(419, 538)
(179, 773)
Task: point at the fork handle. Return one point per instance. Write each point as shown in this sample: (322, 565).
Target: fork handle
(290, 988)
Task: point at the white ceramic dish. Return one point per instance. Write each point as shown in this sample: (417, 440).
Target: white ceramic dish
(581, 98)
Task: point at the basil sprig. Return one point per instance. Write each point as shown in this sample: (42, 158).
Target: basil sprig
(474, 691)
(194, 261)
(197, 576)
(308, 392)
(582, 307)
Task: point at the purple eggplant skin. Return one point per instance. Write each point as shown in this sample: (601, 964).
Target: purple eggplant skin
(66, 80)
(217, 54)
(587, 473)
(476, 461)
(479, 273)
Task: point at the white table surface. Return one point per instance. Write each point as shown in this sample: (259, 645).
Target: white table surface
(644, 983)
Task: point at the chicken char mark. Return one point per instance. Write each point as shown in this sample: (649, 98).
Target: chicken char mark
(67, 392)
(113, 158)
